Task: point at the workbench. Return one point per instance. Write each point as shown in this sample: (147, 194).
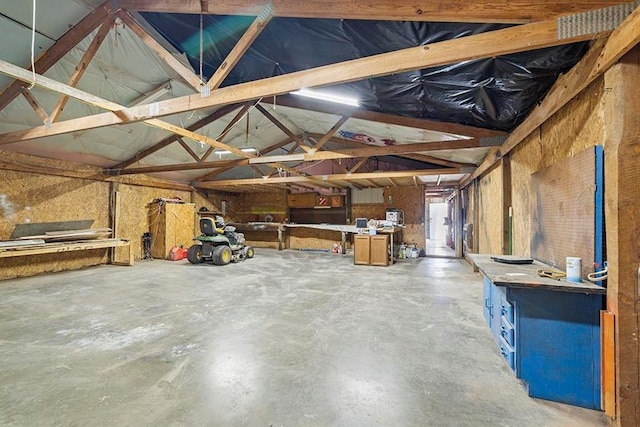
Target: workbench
(395, 233)
(547, 330)
(63, 247)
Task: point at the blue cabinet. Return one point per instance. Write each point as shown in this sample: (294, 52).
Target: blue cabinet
(550, 338)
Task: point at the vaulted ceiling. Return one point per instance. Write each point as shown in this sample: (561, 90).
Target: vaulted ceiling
(199, 92)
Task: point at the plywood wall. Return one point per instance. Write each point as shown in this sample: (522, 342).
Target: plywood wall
(256, 206)
(489, 229)
(32, 198)
(580, 124)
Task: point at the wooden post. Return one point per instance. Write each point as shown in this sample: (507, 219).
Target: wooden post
(505, 163)
(458, 220)
(622, 210)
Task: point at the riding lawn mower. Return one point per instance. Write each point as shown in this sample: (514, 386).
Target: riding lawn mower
(218, 243)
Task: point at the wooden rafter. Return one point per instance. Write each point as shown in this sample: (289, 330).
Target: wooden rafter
(80, 69)
(188, 150)
(493, 43)
(392, 119)
(367, 150)
(64, 44)
(514, 11)
(330, 178)
(327, 136)
(437, 161)
(601, 56)
(221, 112)
(35, 105)
(183, 71)
(359, 164)
(239, 115)
(240, 48)
(282, 127)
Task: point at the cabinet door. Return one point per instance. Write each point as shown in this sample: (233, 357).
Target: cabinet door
(361, 249)
(379, 250)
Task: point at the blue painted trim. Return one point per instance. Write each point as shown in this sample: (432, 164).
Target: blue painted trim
(599, 204)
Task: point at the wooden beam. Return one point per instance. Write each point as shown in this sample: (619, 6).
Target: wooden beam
(359, 164)
(392, 119)
(418, 157)
(241, 47)
(183, 71)
(80, 69)
(370, 151)
(35, 105)
(514, 11)
(64, 44)
(622, 208)
(601, 56)
(282, 127)
(239, 115)
(325, 138)
(329, 178)
(221, 112)
(91, 175)
(493, 43)
(188, 149)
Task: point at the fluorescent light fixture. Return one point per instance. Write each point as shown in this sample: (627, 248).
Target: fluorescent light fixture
(323, 96)
(246, 150)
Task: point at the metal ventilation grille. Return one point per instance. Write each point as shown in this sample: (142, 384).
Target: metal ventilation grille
(595, 21)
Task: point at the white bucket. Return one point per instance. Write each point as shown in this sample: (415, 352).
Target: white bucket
(574, 269)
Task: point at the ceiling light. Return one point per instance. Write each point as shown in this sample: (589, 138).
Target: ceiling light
(246, 150)
(323, 96)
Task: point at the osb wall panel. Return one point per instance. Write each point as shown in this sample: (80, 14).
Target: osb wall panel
(256, 206)
(308, 238)
(580, 124)
(376, 211)
(411, 201)
(26, 197)
(133, 214)
(490, 210)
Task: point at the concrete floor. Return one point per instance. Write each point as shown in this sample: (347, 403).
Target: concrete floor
(285, 339)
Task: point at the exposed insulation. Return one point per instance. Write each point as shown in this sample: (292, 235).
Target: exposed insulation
(580, 124)
(490, 203)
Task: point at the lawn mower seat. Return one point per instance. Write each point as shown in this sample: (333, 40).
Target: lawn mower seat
(208, 227)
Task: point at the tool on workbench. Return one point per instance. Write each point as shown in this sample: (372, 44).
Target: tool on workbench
(552, 274)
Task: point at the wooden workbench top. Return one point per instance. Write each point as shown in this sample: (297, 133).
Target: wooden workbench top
(526, 276)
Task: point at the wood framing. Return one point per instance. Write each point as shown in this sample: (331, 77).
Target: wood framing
(33, 102)
(221, 112)
(494, 43)
(80, 69)
(622, 209)
(514, 11)
(325, 138)
(64, 44)
(282, 127)
(601, 56)
(239, 115)
(183, 71)
(329, 178)
(373, 116)
(241, 47)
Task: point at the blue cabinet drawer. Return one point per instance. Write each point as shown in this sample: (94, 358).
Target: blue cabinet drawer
(507, 331)
(508, 353)
(506, 309)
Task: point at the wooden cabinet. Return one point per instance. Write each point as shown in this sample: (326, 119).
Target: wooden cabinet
(361, 249)
(371, 250)
(302, 200)
(170, 224)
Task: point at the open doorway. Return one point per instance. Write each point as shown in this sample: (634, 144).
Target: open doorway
(439, 239)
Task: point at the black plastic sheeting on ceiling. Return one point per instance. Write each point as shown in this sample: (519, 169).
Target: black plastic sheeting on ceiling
(495, 93)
